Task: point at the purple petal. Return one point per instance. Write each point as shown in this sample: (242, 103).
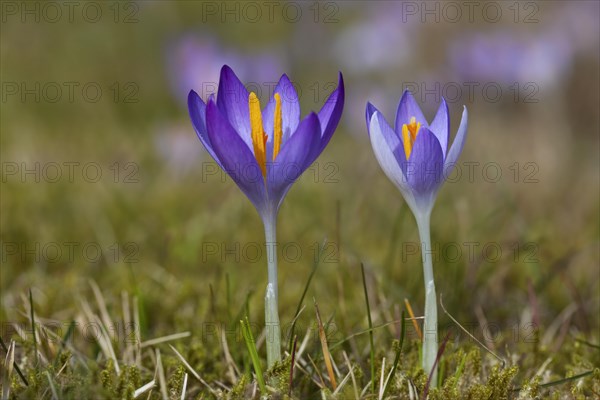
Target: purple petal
(425, 165)
(408, 108)
(393, 140)
(329, 117)
(386, 158)
(232, 100)
(369, 113)
(290, 109)
(197, 110)
(441, 126)
(457, 145)
(293, 158)
(235, 156)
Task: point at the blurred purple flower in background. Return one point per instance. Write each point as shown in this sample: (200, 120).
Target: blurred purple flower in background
(507, 57)
(545, 56)
(579, 22)
(194, 60)
(380, 41)
(178, 149)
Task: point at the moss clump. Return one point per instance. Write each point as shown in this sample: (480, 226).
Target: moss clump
(530, 389)
(129, 380)
(107, 376)
(279, 375)
(240, 390)
(175, 382)
(497, 387)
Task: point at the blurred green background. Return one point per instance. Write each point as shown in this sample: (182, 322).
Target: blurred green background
(103, 177)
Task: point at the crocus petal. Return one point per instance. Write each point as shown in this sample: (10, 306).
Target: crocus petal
(457, 145)
(408, 108)
(290, 109)
(393, 140)
(293, 159)
(440, 126)
(232, 100)
(329, 117)
(425, 165)
(197, 110)
(387, 160)
(371, 109)
(235, 156)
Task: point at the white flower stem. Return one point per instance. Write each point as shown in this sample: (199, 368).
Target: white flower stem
(430, 327)
(272, 326)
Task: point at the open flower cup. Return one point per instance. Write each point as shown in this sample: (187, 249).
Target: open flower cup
(414, 154)
(264, 151)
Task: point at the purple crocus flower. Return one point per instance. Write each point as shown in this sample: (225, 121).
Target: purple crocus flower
(264, 152)
(414, 157)
(414, 153)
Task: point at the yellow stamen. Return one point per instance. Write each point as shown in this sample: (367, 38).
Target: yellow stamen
(409, 135)
(277, 131)
(259, 139)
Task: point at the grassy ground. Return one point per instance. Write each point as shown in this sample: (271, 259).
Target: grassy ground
(133, 284)
(187, 270)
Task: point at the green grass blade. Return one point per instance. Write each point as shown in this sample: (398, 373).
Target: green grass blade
(355, 334)
(35, 349)
(362, 269)
(247, 332)
(560, 381)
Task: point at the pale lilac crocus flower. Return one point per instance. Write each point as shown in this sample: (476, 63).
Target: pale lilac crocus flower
(415, 157)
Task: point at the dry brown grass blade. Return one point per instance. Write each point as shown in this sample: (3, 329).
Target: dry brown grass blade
(103, 338)
(502, 360)
(326, 354)
(351, 369)
(413, 319)
(321, 385)
(293, 355)
(143, 389)
(161, 376)
(232, 369)
(193, 372)
(13, 365)
(167, 338)
(104, 315)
